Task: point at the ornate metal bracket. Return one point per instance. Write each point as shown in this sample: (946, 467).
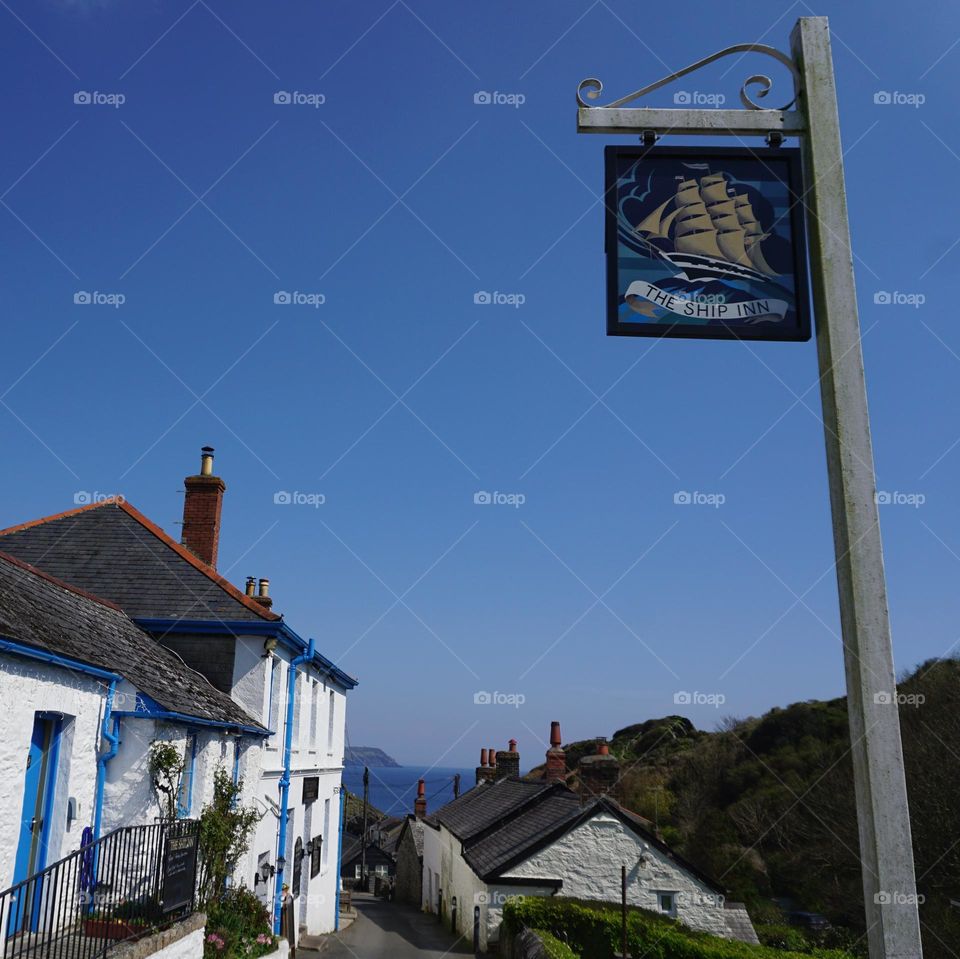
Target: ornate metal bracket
(592, 87)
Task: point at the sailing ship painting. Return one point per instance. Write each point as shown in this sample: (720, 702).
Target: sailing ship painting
(705, 243)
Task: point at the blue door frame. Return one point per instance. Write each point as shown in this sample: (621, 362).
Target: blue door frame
(40, 780)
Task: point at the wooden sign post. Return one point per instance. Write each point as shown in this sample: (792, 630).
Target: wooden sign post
(886, 852)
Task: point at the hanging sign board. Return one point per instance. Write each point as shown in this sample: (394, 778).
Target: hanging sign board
(705, 242)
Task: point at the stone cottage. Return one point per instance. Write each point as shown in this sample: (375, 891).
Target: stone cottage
(508, 837)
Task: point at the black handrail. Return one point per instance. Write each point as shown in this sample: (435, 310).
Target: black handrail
(105, 893)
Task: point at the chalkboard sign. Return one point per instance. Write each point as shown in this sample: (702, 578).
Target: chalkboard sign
(311, 789)
(179, 872)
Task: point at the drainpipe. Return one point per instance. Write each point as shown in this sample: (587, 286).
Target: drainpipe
(102, 760)
(343, 819)
(304, 657)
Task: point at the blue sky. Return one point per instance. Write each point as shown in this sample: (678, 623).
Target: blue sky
(396, 199)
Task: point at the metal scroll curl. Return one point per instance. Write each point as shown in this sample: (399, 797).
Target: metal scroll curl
(592, 87)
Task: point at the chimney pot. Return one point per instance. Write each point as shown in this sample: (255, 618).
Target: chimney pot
(555, 739)
(206, 461)
(263, 596)
(251, 585)
(556, 758)
(483, 757)
(508, 762)
(420, 804)
(512, 746)
(202, 505)
(492, 757)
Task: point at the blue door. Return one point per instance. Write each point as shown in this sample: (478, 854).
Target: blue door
(39, 780)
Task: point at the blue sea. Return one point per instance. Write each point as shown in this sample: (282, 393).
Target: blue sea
(394, 789)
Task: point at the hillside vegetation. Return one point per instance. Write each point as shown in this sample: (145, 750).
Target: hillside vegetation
(766, 805)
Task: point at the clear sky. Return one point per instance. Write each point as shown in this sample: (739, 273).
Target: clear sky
(385, 190)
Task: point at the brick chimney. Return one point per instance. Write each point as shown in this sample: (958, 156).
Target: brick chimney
(599, 773)
(420, 805)
(556, 758)
(484, 770)
(508, 762)
(201, 510)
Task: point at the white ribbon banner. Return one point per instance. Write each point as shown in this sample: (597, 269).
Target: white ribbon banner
(744, 311)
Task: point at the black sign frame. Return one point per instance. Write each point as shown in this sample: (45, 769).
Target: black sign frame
(792, 178)
(179, 876)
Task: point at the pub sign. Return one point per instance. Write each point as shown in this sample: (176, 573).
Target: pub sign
(705, 242)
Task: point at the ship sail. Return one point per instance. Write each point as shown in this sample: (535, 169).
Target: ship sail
(695, 231)
(754, 234)
(653, 222)
(707, 221)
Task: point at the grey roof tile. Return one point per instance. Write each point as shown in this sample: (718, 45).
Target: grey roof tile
(51, 616)
(113, 551)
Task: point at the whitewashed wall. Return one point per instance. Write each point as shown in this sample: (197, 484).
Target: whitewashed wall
(431, 866)
(315, 752)
(588, 860)
(28, 687)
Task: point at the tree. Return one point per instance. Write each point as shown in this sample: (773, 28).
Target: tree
(226, 829)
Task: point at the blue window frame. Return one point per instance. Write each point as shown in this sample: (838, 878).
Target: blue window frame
(185, 795)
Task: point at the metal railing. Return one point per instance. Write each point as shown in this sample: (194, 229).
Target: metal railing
(121, 887)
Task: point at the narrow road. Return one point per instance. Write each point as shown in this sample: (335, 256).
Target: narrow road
(389, 930)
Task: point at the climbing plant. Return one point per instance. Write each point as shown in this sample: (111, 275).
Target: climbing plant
(166, 764)
(226, 829)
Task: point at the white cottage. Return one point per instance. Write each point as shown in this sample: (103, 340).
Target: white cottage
(70, 666)
(509, 837)
(286, 688)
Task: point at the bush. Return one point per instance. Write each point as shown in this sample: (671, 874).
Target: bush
(554, 947)
(238, 927)
(593, 929)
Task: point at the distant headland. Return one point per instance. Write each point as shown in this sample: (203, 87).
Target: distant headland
(368, 756)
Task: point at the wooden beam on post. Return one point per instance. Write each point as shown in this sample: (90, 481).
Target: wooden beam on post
(688, 122)
(886, 852)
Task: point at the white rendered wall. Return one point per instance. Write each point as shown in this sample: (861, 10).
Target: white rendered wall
(315, 752)
(588, 860)
(28, 687)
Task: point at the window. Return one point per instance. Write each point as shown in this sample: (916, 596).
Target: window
(273, 706)
(326, 832)
(356, 872)
(185, 795)
(380, 869)
(297, 686)
(315, 856)
(330, 714)
(314, 711)
(667, 903)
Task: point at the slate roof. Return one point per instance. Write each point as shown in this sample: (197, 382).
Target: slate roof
(504, 823)
(114, 551)
(40, 611)
(484, 805)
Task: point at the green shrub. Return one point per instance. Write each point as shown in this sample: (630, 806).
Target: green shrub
(593, 929)
(238, 927)
(555, 948)
(782, 936)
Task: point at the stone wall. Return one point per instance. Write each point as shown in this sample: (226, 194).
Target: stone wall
(588, 860)
(409, 884)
